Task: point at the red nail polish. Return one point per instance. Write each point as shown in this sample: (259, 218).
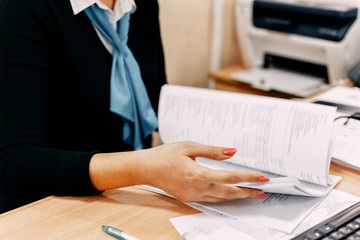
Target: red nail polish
(263, 179)
(261, 196)
(229, 151)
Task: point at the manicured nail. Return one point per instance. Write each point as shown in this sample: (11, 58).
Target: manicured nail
(229, 151)
(261, 196)
(263, 179)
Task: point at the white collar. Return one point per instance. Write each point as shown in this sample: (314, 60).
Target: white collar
(120, 8)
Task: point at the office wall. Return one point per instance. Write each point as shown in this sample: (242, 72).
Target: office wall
(186, 32)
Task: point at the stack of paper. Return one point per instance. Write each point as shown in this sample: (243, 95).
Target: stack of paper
(280, 212)
(210, 225)
(346, 139)
(346, 97)
(282, 137)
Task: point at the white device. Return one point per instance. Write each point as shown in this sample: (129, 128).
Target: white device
(297, 47)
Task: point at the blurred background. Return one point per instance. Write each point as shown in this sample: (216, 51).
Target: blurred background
(186, 27)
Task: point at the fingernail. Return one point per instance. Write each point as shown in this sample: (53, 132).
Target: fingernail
(263, 179)
(261, 196)
(229, 151)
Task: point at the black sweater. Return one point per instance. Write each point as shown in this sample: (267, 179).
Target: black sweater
(54, 95)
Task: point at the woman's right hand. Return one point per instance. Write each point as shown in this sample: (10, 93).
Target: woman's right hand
(172, 167)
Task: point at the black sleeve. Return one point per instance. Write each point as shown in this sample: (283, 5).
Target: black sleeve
(28, 170)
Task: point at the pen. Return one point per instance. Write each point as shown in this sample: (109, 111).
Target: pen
(117, 233)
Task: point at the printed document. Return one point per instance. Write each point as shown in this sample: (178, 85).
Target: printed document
(209, 225)
(346, 139)
(283, 137)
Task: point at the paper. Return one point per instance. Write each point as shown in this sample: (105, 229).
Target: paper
(277, 183)
(334, 203)
(281, 212)
(207, 228)
(346, 139)
(342, 95)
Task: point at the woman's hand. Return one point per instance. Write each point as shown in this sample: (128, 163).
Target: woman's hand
(172, 168)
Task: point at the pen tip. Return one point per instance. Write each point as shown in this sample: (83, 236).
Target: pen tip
(104, 228)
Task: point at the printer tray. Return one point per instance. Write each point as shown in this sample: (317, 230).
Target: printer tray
(286, 81)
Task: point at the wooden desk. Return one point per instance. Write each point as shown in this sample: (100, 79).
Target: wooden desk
(138, 212)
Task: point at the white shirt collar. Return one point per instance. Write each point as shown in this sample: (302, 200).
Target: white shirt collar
(121, 6)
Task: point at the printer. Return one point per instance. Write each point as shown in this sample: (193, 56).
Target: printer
(299, 47)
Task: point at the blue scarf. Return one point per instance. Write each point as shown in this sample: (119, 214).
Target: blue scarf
(128, 95)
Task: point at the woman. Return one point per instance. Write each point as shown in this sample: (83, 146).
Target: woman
(57, 132)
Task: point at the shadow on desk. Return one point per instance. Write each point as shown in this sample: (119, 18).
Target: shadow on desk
(116, 199)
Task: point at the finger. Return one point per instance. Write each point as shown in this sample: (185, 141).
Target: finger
(200, 150)
(232, 177)
(228, 192)
(212, 199)
(231, 194)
